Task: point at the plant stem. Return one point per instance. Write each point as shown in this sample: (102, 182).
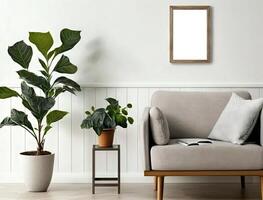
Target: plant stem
(49, 64)
(40, 145)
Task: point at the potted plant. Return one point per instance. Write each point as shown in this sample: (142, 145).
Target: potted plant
(105, 120)
(38, 164)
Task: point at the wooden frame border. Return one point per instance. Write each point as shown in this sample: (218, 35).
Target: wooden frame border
(204, 173)
(208, 8)
(159, 176)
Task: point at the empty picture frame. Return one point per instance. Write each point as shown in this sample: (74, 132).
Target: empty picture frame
(190, 34)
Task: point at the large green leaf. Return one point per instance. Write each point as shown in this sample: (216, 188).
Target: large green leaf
(58, 90)
(21, 53)
(6, 92)
(121, 120)
(43, 41)
(7, 122)
(55, 91)
(35, 80)
(69, 89)
(43, 64)
(39, 106)
(27, 91)
(65, 66)
(86, 123)
(21, 119)
(67, 82)
(69, 39)
(27, 94)
(26, 104)
(98, 120)
(112, 101)
(55, 116)
(108, 122)
(47, 128)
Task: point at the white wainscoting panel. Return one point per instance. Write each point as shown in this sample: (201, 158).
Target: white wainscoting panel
(72, 145)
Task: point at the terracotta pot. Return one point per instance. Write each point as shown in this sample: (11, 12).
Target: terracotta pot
(38, 171)
(106, 137)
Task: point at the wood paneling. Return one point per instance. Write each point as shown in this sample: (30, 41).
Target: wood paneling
(77, 115)
(65, 135)
(5, 133)
(17, 138)
(89, 136)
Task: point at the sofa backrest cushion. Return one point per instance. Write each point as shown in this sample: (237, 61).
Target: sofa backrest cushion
(192, 114)
(237, 120)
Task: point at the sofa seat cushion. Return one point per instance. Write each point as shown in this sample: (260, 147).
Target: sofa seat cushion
(217, 156)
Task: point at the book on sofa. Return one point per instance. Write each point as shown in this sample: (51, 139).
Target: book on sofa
(194, 142)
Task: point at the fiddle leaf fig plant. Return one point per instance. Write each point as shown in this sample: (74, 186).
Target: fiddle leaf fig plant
(107, 118)
(40, 106)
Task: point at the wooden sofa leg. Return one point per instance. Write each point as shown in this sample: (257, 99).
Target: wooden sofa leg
(160, 185)
(261, 187)
(243, 182)
(155, 183)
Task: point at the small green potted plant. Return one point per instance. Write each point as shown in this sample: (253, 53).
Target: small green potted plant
(38, 164)
(105, 120)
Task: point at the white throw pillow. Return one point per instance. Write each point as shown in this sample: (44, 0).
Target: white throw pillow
(237, 120)
(159, 126)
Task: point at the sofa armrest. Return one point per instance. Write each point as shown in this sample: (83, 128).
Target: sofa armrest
(261, 128)
(145, 134)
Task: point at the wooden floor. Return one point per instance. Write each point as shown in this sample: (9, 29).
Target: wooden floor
(133, 192)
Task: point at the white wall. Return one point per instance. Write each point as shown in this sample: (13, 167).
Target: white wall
(125, 40)
(124, 43)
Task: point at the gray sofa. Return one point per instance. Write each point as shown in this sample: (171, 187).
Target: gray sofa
(193, 115)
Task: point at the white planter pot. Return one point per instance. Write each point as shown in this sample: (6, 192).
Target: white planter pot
(38, 171)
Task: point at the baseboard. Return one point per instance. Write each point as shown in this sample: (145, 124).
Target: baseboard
(127, 178)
